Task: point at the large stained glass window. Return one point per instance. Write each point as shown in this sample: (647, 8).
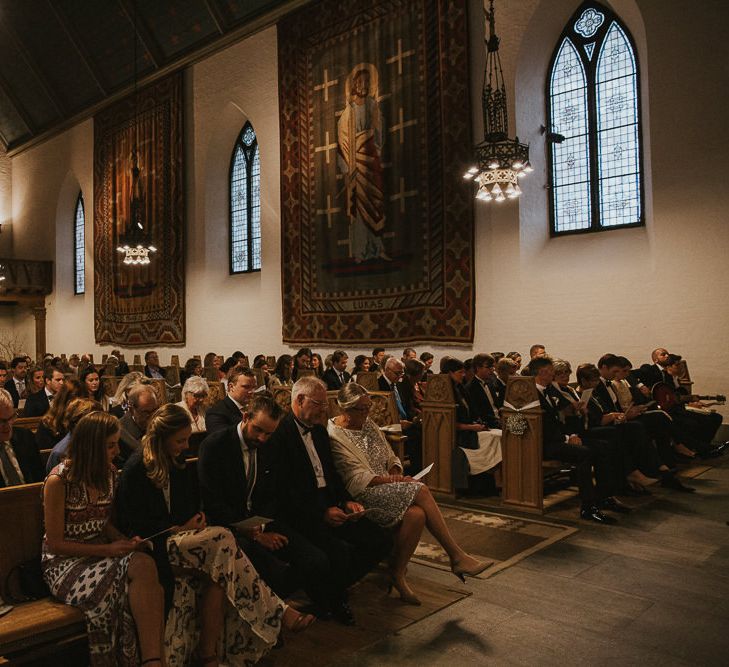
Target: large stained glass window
(79, 243)
(595, 174)
(245, 204)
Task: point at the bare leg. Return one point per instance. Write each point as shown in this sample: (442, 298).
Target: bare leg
(211, 619)
(437, 526)
(146, 600)
(406, 540)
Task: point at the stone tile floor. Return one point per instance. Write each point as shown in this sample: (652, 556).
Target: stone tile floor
(653, 590)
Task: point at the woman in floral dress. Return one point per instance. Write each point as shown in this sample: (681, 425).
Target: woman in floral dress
(231, 615)
(90, 564)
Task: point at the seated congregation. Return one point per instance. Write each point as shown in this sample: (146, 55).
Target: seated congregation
(183, 518)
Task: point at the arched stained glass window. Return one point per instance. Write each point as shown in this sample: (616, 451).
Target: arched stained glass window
(79, 243)
(245, 203)
(595, 174)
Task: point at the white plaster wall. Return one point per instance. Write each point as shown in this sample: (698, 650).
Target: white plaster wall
(625, 291)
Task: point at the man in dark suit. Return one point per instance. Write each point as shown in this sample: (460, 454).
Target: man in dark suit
(504, 368)
(311, 496)
(38, 403)
(650, 374)
(228, 412)
(20, 461)
(336, 376)
(377, 354)
(235, 474)
(559, 445)
(151, 366)
(481, 401)
(16, 385)
(388, 381)
(142, 405)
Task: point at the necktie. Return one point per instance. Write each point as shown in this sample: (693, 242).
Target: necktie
(250, 475)
(11, 474)
(304, 428)
(398, 402)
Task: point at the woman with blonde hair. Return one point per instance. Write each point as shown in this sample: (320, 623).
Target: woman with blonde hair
(88, 563)
(237, 611)
(373, 476)
(194, 392)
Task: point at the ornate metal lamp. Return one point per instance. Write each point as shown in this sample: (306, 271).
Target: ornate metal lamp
(135, 243)
(500, 161)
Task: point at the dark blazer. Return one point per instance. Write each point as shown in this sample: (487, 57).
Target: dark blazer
(553, 436)
(408, 398)
(602, 395)
(299, 502)
(650, 374)
(36, 404)
(222, 415)
(479, 405)
(148, 372)
(383, 384)
(331, 378)
(28, 456)
(141, 510)
(121, 369)
(498, 391)
(130, 440)
(10, 387)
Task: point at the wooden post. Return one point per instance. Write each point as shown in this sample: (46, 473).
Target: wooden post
(39, 313)
(522, 454)
(439, 432)
(175, 360)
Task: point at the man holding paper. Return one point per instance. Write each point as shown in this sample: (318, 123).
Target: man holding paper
(339, 541)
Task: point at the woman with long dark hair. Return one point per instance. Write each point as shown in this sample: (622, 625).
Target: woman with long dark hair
(92, 387)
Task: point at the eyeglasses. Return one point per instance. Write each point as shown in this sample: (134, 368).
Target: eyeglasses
(9, 421)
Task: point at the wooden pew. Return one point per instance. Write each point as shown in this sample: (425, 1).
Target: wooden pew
(216, 393)
(30, 423)
(522, 465)
(439, 432)
(369, 380)
(32, 630)
(260, 376)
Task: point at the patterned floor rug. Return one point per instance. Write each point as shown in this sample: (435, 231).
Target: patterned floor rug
(498, 538)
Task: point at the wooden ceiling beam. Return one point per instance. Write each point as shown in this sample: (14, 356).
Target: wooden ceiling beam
(143, 33)
(75, 39)
(216, 15)
(37, 72)
(17, 106)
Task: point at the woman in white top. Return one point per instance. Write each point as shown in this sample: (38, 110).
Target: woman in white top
(194, 393)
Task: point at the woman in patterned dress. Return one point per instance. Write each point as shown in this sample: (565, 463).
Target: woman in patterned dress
(90, 564)
(237, 618)
(373, 477)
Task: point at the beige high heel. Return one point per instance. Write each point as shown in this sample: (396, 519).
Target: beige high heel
(463, 571)
(401, 586)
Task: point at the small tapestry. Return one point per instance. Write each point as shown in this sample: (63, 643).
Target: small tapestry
(140, 305)
(377, 224)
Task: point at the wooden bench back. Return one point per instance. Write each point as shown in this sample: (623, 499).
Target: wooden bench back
(216, 393)
(282, 396)
(439, 432)
(21, 528)
(369, 380)
(30, 423)
(260, 376)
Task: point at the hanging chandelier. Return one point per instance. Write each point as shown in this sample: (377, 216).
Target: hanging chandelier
(500, 161)
(135, 243)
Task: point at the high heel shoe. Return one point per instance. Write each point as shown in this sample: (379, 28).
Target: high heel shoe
(406, 593)
(463, 571)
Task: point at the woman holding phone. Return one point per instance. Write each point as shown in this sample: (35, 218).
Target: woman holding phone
(159, 499)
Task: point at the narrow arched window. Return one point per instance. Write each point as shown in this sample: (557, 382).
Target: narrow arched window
(595, 166)
(79, 243)
(245, 203)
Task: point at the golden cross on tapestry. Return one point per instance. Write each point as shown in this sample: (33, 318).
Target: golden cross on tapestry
(377, 227)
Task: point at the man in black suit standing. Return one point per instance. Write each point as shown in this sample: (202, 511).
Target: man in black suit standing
(16, 386)
(481, 401)
(20, 461)
(229, 411)
(311, 496)
(38, 403)
(336, 376)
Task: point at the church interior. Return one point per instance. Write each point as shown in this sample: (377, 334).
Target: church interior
(202, 96)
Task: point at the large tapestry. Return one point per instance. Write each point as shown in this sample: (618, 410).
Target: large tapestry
(140, 305)
(377, 224)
